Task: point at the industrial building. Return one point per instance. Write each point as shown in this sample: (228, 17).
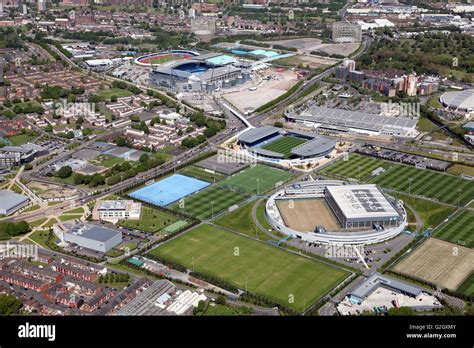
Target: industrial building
(10, 202)
(346, 32)
(205, 72)
(117, 210)
(361, 207)
(93, 237)
(355, 121)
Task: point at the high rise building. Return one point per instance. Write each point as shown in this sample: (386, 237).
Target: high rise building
(346, 32)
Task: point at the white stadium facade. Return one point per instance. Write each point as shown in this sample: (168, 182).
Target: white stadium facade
(363, 213)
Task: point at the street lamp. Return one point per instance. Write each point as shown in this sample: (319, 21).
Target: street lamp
(193, 264)
(258, 186)
(409, 185)
(459, 197)
(212, 209)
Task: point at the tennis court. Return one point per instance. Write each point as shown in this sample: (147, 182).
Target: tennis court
(169, 190)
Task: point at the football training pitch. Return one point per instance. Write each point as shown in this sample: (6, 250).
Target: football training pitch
(422, 182)
(356, 167)
(459, 230)
(289, 279)
(438, 262)
(284, 145)
(209, 202)
(256, 179)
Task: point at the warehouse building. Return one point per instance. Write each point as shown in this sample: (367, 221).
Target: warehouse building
(355, 121)
(362, 207)
(10, 202)
(93, 237)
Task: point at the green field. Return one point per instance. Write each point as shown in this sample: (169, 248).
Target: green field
(21, 139)
(427, 183)
(432, 213)
(151, 220)
(284, 145)
(118, 92)
(356, 167)
(256, 178)
(459, 230)
(269, 271)
(467, 288)
(107, 160)
(240, 220)
(209, 202)
(201, 174)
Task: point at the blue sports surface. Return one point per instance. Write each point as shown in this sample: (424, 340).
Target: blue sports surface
(169, 190)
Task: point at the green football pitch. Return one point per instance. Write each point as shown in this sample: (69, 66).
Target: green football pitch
(284, 145)
(355, 167)
(256, 179)
(286, 278)
(208, 202)
(467, 287)
(459, 230)
(422, 182)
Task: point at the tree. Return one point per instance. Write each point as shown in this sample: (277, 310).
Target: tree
(64, 172)
(278, 124)
(9, 304)
(221, 300)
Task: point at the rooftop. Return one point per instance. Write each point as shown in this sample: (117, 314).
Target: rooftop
(377, 280)
(94, 232)
(459, 99)
(254, 134)
(356, 119)
(10, 199)
(361, 201)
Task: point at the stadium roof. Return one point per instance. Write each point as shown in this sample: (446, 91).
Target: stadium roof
(376, 280)
(314, 147)
(459, 99)
(94, 232)
(356, 119)
(362, 201)
(255, 134)
(263, 152)
(10, 199)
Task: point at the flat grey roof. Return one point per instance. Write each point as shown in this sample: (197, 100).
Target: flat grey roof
(10, 199)
(377, 280)
(255, 134)
(94, 232)
(355, 119)
(314, 147)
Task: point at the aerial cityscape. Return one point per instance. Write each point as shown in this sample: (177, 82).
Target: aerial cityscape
(237, 158)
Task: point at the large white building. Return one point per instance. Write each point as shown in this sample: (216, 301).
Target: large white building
(117, 210)
(11, 202)
(93, 237)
